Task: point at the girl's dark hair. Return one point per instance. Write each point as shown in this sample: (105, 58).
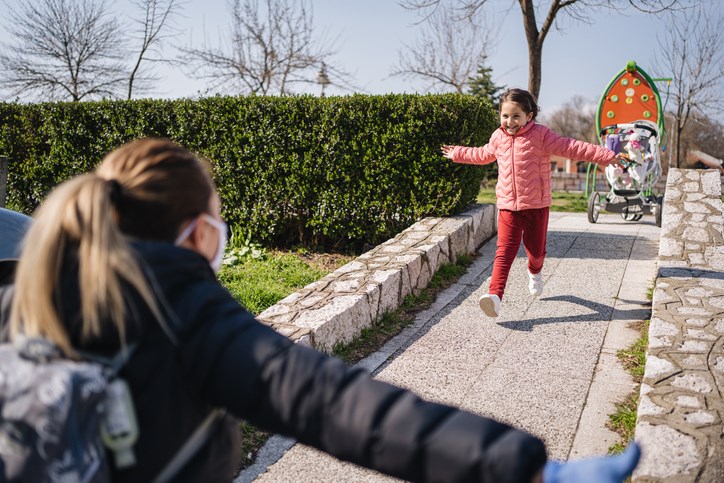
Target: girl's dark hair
(523, 98)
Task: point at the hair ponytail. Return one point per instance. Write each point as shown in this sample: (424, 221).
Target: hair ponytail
(79, 212)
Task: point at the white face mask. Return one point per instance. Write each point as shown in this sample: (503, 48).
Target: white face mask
(220, 249)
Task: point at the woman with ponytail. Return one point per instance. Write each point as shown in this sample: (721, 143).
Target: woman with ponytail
(128, 254)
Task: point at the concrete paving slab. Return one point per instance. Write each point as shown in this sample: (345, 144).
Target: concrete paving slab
(611, 384)
(547, 405)
(440, 381)
(303, 464)
(620, 334)
(459, 342)
(547, 365)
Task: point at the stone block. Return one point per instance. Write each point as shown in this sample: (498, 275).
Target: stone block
(458, 243)
(389, 282)
(657, 368)
(669, 247)
(405, 285)
(666, 452)
(425, 274)
(648, 408)
(341, 320)
(431, 253)
(372, 292)
(696, 381)
(711, 184)
(700, 235)
(658, 327)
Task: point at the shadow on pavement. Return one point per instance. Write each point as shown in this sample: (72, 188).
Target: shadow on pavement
(601, 312)
(601, 245)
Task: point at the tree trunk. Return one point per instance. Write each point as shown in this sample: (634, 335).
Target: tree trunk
(534, 37)
(535, 52)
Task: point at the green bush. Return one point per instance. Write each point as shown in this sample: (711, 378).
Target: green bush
(304, 170)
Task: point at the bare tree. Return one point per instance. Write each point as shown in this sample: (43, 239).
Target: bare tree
(448, 53)
(62, 49)
(267, 51)
(535, 31)
(691, 52)
(575, 119)
(702, 133)
(154, 26)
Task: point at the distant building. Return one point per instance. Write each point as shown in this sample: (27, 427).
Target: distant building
(559, 164)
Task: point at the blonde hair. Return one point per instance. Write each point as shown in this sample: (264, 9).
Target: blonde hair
(145, 189)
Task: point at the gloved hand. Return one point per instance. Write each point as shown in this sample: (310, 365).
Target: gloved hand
(605, 469)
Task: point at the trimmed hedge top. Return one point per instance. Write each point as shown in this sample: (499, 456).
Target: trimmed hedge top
(316, 171)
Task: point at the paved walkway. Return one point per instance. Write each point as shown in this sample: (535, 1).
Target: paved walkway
(547, 365)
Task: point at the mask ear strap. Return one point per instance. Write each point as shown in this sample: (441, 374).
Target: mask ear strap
(186, 232)
(219, 225)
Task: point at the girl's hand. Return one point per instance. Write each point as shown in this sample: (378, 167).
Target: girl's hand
(447, 151)
(603, 469)
(621, 161)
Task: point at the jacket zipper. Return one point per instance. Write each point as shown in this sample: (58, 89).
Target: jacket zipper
(512, 171)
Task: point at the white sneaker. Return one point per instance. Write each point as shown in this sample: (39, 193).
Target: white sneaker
(490, 304)
(535, 284)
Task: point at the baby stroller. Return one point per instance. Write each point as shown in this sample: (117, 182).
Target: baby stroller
(630, 120)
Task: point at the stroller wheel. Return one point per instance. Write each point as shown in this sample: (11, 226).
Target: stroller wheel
(594, 207)
(632, 211)
(659, 210)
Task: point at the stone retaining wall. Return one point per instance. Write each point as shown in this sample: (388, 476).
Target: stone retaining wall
(337, 307)
(679, 423)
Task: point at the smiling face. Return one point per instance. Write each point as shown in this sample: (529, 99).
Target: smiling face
(513, 117)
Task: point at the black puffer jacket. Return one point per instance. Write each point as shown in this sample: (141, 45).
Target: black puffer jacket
(225, 358)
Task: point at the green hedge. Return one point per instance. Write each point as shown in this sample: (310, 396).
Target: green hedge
(300, 169)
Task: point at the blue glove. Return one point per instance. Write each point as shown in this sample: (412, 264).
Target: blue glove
(605, 469)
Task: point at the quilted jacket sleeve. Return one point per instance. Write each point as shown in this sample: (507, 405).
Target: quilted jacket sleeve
(282, 387)
(476, 155)
(6, 296)
(574, 149)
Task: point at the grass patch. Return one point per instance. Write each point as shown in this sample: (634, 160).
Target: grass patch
(634, 357)
(260, 282)
(390, 324)
(569, 202)
(487, 195)
(561, 200)
(623, 421)
(252, 439)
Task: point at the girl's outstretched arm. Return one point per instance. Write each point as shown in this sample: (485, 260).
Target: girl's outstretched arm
(554, 143)
(470, 155)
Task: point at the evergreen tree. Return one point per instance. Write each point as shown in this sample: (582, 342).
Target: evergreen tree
(482, 84)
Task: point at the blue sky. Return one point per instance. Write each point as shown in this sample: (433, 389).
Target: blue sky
(578, 59)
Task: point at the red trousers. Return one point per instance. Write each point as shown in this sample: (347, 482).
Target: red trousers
(529, 225)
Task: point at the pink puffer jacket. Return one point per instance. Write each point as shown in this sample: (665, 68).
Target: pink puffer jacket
(524, 163)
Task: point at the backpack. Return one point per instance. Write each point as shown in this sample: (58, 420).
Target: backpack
(56, 413)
